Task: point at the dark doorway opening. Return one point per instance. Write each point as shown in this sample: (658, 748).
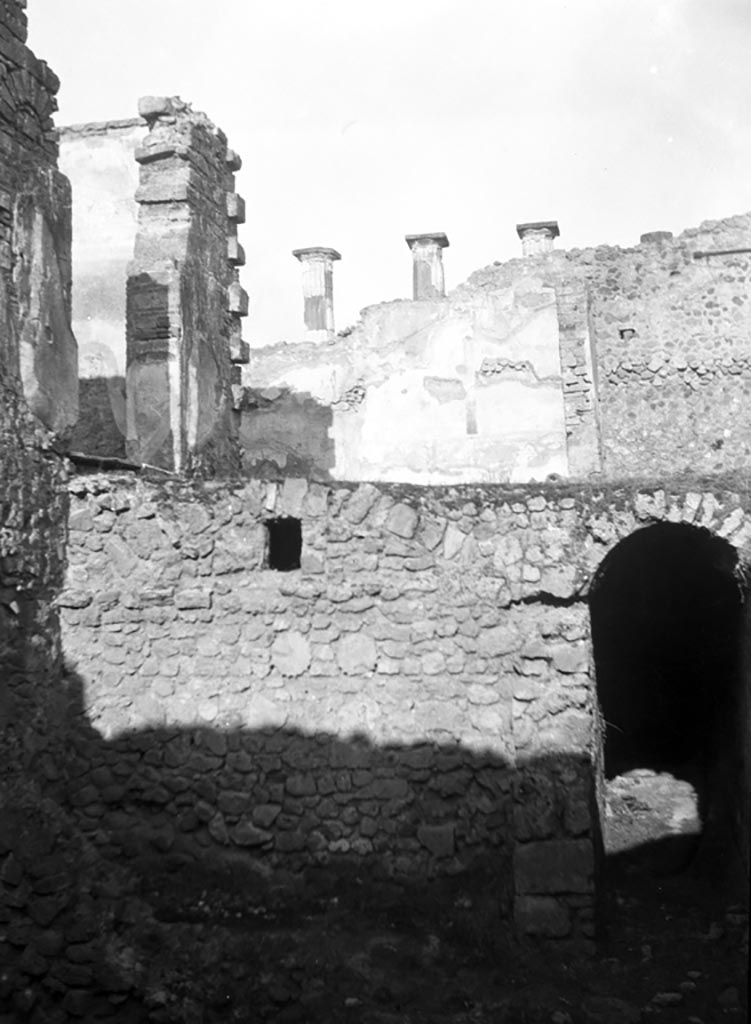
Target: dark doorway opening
(666, 630)
(284, 544)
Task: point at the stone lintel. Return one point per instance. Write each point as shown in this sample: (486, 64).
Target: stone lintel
(437, 238)
(316, 252)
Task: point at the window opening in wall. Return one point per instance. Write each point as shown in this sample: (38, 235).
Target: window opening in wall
(283, 544)
(666, 610)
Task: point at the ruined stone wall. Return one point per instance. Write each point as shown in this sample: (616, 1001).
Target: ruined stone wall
(417, 695)
(35, 274)
(99, 160)
(743, 719)
(184, 299)
(465, 389)
(654, 350)
(34, 335)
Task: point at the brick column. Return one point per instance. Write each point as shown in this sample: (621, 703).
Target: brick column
(318, 290)
(579, 379)
(427, 265)
(183, 296)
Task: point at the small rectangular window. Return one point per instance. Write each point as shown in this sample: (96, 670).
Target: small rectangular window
(284, 544)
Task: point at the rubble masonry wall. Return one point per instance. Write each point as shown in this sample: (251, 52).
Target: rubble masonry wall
(418, 694)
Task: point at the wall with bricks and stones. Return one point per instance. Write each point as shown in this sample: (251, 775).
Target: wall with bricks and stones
(654, 349)
(66, 918)
(417, 695)
(35, 270)
(184, 299)
(604, 361)
(457, 390)
(99, 160)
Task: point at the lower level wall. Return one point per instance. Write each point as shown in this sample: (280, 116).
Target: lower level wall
(416, 697)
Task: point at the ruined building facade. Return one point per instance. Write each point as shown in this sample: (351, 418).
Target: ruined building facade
(375, 608)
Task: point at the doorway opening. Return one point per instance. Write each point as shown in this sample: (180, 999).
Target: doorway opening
(666, 612)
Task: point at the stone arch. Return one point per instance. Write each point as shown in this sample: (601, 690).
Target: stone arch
(667, 618)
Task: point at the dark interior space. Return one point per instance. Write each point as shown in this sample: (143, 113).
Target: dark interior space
(666, 627)
(666, 617)
(284, 544)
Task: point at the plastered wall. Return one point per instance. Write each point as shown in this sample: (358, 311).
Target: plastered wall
(100, 160)
(450, 390)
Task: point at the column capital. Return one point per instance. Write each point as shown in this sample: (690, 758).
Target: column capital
(537, 236)
(437, 238)
(316, 252)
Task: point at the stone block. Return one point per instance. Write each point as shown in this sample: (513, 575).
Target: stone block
(235, 252)
(294, 490)
(235, 208)
(356, 653)
(402, 520)
(237, 299)
(245, 833)
(542, 915)
(360, 503)
(290, 654)
(453, 541)
(151, 107)
(439, 839)
(570, 659)
(498, 640)
(190, 599)
(554, 866)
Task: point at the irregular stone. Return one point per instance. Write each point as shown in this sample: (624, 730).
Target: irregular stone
(439, 839)
(189, 599)
(571, 658)
(453, 541)
(667, 999)
(402, 520)
(245, 833)
(610, 1010)
(542, 915)
(554, 866)
(290, 654)
(264, 815)
(356, 653)
(360, 503)
(497, 641)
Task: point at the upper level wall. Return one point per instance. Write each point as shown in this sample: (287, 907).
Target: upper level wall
(450, 390)
(607, 361)
(99, 159)
(35, 345)
(36, 342)
(670, 337)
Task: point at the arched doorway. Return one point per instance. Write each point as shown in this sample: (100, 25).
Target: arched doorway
(666, 629)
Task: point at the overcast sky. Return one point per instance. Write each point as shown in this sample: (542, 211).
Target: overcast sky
(359, 123)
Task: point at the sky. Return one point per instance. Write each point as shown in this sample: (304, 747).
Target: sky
(359, 123)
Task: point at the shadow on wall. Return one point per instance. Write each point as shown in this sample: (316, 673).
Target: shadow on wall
(286, 433)
(431, 821)
(101, 425)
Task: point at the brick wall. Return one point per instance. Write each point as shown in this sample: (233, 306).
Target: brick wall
(184, 299)
(35, 337)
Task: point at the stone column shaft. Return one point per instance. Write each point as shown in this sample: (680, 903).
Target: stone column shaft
(427, 265)
(318, 290)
